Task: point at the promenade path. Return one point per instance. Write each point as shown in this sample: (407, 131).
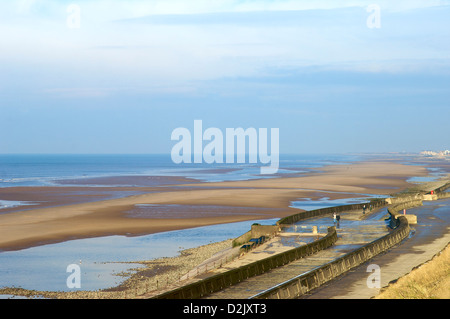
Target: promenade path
(427, 238)
(354, 230)
(430, 236)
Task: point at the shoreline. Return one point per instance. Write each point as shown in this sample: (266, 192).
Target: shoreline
(270, 197)
(155, 273)
(149, 271)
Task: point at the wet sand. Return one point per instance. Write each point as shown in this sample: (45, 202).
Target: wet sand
(127, 181)
(67, 216)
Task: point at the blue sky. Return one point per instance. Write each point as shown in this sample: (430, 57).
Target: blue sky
(136, 70)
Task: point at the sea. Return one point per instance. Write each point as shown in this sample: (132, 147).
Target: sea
(102, 259)
(44, 169)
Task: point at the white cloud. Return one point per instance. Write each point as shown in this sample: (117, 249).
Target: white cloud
(106, 10)
(104, 54)
(24, 6)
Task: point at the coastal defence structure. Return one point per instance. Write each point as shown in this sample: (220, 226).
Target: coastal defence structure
(257, 231)
(228, 278)
(308, 281)
(206, 286)
(399, 221)
(292, 219)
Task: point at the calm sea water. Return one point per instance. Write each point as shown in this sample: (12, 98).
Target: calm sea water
(102, 259)
(41, 170)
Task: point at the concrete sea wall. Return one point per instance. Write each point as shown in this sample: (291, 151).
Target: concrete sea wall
(306, 282)
(442, 189)
(255, 232)
(397, 210)
(220, 281)
(330, 210)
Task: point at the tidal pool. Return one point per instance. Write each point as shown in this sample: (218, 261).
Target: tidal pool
(101, 259)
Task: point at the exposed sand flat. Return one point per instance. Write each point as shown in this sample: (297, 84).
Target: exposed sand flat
(345, 178)
(107, 217)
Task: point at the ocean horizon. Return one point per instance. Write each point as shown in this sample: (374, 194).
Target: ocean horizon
(45, 169)
(104, 257)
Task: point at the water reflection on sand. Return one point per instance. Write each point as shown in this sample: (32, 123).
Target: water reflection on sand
(101, 259)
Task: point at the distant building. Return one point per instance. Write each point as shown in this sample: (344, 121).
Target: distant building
(436, 154)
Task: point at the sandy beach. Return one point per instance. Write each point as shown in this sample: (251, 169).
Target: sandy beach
(83, 212)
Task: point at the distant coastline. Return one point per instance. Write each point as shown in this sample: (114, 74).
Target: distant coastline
(100, 211)
(63, 169)
(445, 153)
(134, 206)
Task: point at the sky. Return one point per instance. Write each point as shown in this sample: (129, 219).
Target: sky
(94, 76)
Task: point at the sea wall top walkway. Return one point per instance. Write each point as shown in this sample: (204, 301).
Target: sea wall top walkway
(353, 231)
(211, 282)
(230, 274)
(354, 248)
(430, 236)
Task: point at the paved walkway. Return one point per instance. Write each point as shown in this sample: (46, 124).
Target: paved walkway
(227, 260)
(353, 232)
(429, 236)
